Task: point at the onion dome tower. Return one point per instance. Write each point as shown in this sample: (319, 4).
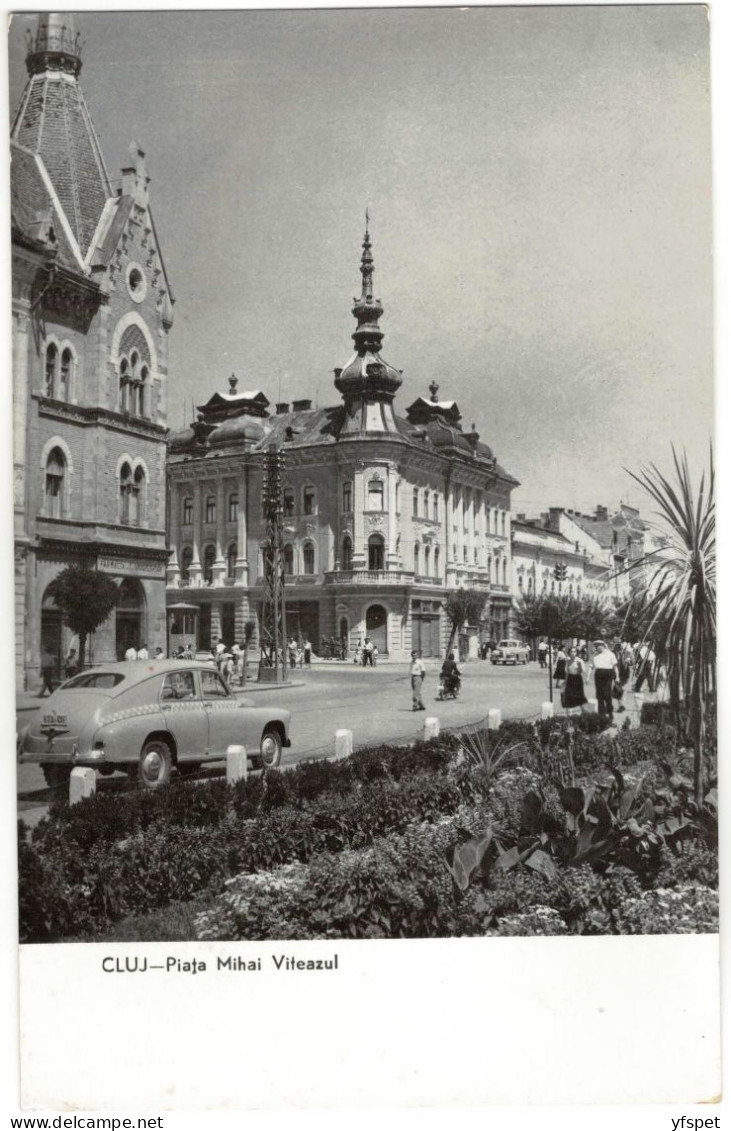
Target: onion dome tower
(368, 384)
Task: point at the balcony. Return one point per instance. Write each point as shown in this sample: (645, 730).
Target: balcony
(371, 577)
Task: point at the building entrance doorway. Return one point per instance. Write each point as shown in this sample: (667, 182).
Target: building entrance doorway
(228, 624)
(204, 629)
(425, 633)
(130, 617)
(52, 634)
(376, 623)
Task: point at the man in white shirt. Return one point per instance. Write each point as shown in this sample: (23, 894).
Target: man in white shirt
(604, 666)
(131, 653)
(417, 671)
(143, 654)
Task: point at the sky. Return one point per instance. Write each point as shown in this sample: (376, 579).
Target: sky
(539, 186)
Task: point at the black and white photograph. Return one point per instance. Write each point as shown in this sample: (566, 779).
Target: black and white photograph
(364, 509)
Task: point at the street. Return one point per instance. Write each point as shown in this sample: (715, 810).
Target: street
(374, 703)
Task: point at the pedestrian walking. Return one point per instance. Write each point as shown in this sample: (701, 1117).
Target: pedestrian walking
(71, 666)
(143, 654)
(48, 665)
(604, 666)
(573, 695)
(131, 653)
(559, 672)
(308, 653)
(374, 656)
(417, 671)
(367, 653)
(292, 653)
(542, 652)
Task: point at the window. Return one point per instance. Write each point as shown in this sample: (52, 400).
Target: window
(502, 522)
(436, 562)
(464, 555)
(347, 497)
(417, 562)
(489, 567)
(426, 504)
(186, 559)
(209, 557)
(375, 552)
(416, 502)
(435, 507)
(475, 555)
(231, 557)
(346, 558)
(308, 557)
(55, 475)
(233, 508)
(124, 385)
(212, 685)
(178, 685)
(187, 511)
(375, 495)
(210, 509)
(308, 500)
(138, 498)
(141, 408)
(49, 388)
(95, 679)
(126, 485)
(288, 500)
(520, 581)
(427, 555)
(65, 382)
(505, 571)
(289, 559)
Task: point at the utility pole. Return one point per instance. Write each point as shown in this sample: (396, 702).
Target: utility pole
(273, 634)
(559, 573)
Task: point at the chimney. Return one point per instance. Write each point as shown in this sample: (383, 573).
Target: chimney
(602, 514)
(281, 408)
(301, 406)
(520, 517)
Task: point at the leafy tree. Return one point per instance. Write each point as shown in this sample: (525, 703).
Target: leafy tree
(629, 618)
(680, 605)
(85, 598)
(463, 605)
(561, 616)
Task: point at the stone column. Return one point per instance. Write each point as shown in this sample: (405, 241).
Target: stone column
(392, 559)
(242, 558)
(360, 550)
(219, 565)
(196, 571)
(216, 623)
(172, 570)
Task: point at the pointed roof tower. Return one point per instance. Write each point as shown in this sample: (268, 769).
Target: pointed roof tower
(54, 125)
(368, 383)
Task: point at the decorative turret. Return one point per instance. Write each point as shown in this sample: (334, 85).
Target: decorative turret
(55, 46)
(368, 383)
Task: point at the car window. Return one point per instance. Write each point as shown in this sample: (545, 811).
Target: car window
(213, 686)
(178, 685)
(94, 679)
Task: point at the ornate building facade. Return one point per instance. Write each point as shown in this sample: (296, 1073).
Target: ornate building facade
(92, 309)
(383, 513)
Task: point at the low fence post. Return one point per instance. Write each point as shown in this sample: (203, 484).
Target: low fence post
(237, 764)
(546, 710)
(592, 706)
(494, 719)
(431, 728)
(343, 743)
(82, 783)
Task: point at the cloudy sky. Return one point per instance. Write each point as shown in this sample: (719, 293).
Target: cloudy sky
(540, 191)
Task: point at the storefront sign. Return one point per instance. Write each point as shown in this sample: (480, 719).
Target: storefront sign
(131, 567)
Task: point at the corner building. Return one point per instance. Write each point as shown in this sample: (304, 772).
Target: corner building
(383, 514)
(92, 309)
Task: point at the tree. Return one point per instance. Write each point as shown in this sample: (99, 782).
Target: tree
(629, 618)
(85, 598)
(681, 596)
(463, 605)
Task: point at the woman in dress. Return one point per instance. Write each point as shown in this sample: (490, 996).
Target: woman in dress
(559, 673)
(573, 693)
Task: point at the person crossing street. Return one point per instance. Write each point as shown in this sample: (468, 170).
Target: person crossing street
(417, 671)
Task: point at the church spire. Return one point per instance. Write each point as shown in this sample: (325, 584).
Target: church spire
(55, 46)
(367, 309)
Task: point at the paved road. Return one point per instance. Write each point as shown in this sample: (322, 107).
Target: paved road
(375, 703)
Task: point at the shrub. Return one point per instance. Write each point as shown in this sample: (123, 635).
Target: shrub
(670, 911)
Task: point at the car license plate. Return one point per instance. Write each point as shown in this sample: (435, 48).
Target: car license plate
(54, 720)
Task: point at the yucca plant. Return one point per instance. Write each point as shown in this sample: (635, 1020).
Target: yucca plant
(680, 602)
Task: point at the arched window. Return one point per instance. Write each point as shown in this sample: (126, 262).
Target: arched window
(308, 557)
(138, 498)
(375, 495)
(49, 388)
(426, 504)
(231, 556)
(142, 394)
(436, 562)
(209, 557)
(126, 484)
(375, 552)
(289, 559)
(186, 559)
(435, 507)
(54, 486)
(416, 501)
(124, 385)
(211, 509)
(417, 558)
(233, 507)
(520, 581)
(505, 571)
(67, 360)
(346, 558)
(427, 562)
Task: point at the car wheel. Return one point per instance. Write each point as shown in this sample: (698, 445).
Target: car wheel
(156, 763)
(56, 776)
(270, 749)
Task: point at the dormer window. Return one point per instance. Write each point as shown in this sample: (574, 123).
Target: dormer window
(375, 495)
(308, 500)
(49, 388)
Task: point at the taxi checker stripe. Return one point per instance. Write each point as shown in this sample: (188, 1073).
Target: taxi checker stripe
(153, 709)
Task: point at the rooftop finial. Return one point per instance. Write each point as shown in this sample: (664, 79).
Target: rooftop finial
(434, 389)
(232, 383)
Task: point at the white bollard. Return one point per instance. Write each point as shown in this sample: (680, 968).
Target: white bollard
(494, 719)
(639, 700)
(237, 764)
(82, 783)
(547, 710)
(592, 706)
(343, 743)
(431, 728)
